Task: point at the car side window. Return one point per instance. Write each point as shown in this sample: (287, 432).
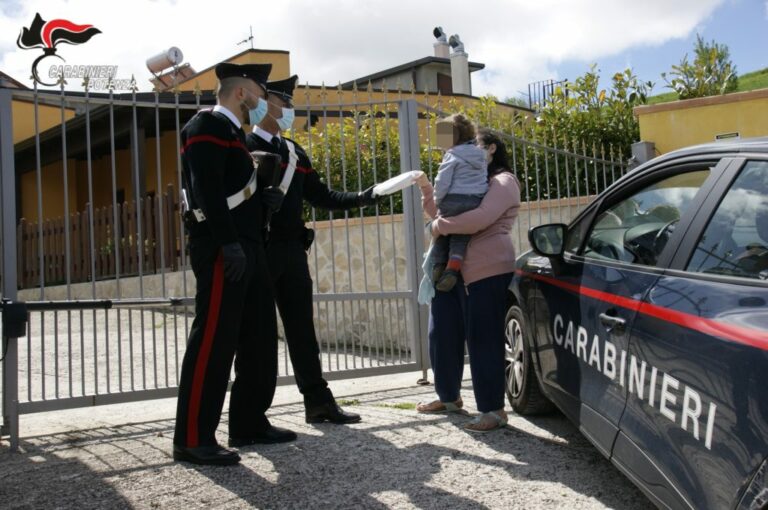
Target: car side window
(636, 229)
(735, 242)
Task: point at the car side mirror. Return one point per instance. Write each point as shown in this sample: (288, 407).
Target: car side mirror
(548, 239)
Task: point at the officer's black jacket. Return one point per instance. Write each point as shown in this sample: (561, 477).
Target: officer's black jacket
(306, 184)
(217, 164)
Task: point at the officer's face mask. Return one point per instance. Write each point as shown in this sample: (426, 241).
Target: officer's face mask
(287, 115)
(286, 121)
(257, 113)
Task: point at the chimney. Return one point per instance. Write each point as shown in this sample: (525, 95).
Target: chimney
(459, 67)
(441, 46)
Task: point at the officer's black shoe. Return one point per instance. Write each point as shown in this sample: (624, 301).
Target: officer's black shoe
(271, 435)
(207, 455)
(330, 411)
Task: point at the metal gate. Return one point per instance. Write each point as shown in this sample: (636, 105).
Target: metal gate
(93, 248)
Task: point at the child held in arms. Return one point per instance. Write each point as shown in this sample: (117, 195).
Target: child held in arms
(461, 183)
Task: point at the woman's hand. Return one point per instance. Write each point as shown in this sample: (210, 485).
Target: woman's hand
(422, 180)
(433, 230)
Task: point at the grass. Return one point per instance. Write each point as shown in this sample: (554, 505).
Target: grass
(405, 406)
(749, 81)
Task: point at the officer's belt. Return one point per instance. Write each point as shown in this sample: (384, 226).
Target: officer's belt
(232, 200)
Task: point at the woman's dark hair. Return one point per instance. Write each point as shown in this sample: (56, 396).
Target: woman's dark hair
(500, 162)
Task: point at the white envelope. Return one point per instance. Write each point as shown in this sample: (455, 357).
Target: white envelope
(397, 183)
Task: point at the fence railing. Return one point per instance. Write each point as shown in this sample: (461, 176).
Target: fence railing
(157, 215)
(88, 347)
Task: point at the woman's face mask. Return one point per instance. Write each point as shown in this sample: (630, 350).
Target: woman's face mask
(488, 152)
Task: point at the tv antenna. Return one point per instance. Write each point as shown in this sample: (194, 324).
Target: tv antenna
(248, 39)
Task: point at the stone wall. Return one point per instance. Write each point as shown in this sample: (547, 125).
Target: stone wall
(350, 256)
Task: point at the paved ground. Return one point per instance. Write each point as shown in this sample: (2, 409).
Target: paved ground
(119, 457)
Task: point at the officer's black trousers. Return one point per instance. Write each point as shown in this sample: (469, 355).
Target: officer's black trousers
(292, 286)
(225, 326)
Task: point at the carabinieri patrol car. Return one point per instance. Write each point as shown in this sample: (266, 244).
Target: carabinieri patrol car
(645, 321)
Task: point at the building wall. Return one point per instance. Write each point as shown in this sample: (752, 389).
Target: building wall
(695, 121)
(24, 118)
(53, 181)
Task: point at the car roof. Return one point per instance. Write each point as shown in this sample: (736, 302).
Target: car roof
(759, 144)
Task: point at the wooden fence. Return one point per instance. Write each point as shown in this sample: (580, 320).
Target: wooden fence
(109, 258)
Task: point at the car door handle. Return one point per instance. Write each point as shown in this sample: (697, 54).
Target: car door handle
(612, 323)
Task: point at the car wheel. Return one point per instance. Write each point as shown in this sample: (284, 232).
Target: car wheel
(523, 390)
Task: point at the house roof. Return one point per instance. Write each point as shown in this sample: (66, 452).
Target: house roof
(8, 82)
(473, 66)
(228, 59)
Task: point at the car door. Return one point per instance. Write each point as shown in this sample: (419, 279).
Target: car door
(587, 301)
(699, 428)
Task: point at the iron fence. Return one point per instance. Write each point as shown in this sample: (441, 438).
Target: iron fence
(102, 266)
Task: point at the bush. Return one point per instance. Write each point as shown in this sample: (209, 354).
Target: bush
(711, 73)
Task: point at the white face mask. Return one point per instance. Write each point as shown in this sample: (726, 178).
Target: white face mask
(286, 121)
(488, 155)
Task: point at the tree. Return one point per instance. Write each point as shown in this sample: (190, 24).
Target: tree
(711, 72)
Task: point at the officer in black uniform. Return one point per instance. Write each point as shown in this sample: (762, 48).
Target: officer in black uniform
(286, 250)
(225, 221)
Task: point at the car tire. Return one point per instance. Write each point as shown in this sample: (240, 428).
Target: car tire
(522, 384)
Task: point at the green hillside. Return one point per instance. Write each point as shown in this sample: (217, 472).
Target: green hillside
(749, 81)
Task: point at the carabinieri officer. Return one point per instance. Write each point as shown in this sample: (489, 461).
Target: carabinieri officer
(286, 249)
(225, 220)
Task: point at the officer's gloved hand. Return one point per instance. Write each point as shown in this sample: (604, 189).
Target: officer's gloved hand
(366, 197)
(272, 197)
(235, 261)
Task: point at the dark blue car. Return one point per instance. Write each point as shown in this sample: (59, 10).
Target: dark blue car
(645, 321)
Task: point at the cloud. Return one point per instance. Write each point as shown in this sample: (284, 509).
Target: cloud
(333, 41)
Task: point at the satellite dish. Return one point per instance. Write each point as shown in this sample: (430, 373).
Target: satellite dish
(172, 57)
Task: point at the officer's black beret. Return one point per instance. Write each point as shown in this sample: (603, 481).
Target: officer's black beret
(256, 72)
(283, 88)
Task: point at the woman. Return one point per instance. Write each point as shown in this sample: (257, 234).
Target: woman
(473, 311)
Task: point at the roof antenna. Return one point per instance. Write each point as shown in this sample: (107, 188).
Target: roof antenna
(247, 39)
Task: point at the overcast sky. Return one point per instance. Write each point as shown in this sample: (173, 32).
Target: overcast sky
(519, 41)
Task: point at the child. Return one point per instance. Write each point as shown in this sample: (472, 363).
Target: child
(460, 185)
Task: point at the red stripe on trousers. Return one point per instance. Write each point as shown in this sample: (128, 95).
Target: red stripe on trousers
(205, 352)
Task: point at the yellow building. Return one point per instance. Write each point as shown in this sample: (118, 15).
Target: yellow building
(679, 124)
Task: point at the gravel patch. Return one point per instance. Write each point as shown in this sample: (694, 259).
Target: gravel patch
(119, 457)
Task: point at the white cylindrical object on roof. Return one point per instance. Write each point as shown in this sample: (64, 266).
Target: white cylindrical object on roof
(169, 58)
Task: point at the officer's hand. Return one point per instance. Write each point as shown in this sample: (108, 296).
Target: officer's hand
(272, 197)
(235, 261)
(366, 197)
